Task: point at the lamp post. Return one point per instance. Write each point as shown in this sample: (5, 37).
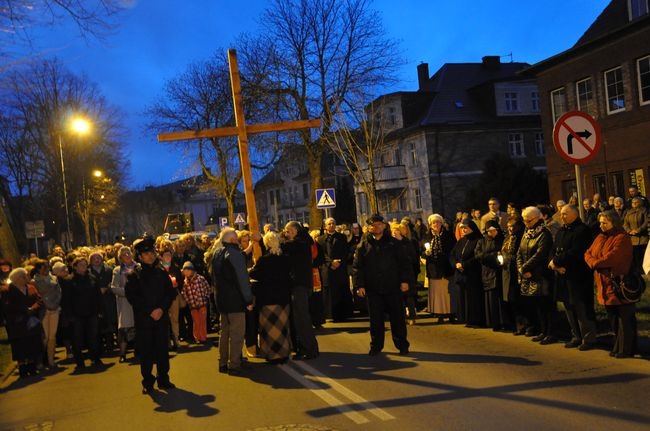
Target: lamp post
(80, 126)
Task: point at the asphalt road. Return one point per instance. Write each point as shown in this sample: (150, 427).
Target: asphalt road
(455, 379)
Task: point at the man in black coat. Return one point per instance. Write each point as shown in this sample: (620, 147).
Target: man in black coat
(574, 280)
(149, 290)
(297, 247)
(334, 272)
(381, 273)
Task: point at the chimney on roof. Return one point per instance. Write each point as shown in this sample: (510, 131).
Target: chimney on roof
(492, 62)
(423, 76)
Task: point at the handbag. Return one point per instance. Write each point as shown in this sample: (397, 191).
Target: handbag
(315, 274)
(534, 287)
(630, 287)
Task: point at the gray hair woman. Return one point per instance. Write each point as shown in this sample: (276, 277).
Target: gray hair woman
(21, 305)
(436, 247)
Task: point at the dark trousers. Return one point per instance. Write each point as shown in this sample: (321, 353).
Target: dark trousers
(623, 321)
(583, 329)
(341, 297)
(393, 304)
(152, 347)
(305, 340)
(316, 308)
(252, 327)
(85, 332)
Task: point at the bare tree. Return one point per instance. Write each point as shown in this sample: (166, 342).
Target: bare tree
(358, 141)
(201, 98)
(39, 101)
(317, 54)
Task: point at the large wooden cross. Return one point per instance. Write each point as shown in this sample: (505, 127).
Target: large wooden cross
(241, 130)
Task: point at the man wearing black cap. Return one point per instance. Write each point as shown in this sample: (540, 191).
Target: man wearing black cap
(381, 274)
(149, 290)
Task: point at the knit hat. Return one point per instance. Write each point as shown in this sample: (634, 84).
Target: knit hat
(374, 218)
(492, 224)
(188, 265)
(123, 250)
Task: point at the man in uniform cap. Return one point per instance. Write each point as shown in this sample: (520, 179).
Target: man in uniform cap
(149, 290)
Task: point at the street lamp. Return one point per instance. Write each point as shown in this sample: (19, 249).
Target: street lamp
(81, 126)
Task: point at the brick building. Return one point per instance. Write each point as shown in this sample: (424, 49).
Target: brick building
(607, 75)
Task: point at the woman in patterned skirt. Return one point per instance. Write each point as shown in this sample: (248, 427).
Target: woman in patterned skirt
(272, 294)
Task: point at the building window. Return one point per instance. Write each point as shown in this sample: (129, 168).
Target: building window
(600, 184)
(637, 8)
(363, 203)
(618, 183)
(558, 103)
(418, 198)
(397, 159)
(305, 191)
(539, 144)
(584, 91)
(643, 71)
(615, 90)
(383, 158)
(402, 201)
(414, 159)
(516, 144)
(392, 119)
(512, 102)
(534, 101)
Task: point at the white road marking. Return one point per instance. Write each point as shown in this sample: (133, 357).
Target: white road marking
(325, 396)
(367, 405)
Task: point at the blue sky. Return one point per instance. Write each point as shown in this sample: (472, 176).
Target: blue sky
(157, 39)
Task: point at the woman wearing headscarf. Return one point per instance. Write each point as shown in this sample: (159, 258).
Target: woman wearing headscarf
(635, 223)
(468, 275)
(21, 304)
(487, 251)
(437, 246)
(125, 320)
(102, 275)
(272, 291)
(610, 255)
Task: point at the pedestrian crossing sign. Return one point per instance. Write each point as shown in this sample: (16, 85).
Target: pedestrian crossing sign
(240, 218)
(325, 198)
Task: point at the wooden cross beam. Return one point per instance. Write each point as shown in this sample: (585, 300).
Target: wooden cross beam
(241, 130)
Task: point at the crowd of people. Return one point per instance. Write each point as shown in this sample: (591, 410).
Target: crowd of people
(501, 270)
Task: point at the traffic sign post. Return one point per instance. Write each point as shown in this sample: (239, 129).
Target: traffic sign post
(325, 199)
(240, 218)
(577, 139)
(35, 230)
(223, 221)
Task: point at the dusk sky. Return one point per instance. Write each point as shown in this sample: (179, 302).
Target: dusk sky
(156, 40)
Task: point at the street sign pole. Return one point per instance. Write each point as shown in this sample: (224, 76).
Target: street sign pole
(579, 187)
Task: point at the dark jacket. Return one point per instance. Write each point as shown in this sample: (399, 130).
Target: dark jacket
(147, 288)
(273, 284)
(487, 250)
(464, 253)
(18, 309)
(380, 266)
(571, 243)
(437, 261)
(334, 246)
(231, 279)
(509, 275)
(533, 256)
(84, 295)
(298, 251)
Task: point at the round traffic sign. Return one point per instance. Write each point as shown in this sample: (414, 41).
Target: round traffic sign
(576, 137)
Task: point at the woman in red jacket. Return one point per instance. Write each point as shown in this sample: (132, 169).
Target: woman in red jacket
(611, 255)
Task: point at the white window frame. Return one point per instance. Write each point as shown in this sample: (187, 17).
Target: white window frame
(647, 76)
(589, 102)
(630, 12)
(413, 153)
(511, 101)
(607, 95)
(539, 144)
(534, 101)
(554, 112)
(516, 145)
